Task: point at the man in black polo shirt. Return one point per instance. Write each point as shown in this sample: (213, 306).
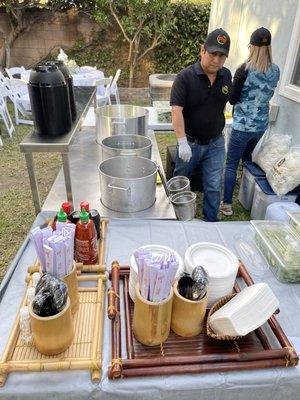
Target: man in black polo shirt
(198, 99)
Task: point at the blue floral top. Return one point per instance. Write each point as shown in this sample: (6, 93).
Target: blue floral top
(251, 111)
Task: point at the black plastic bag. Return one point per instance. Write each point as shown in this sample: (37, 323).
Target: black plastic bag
(50, 296)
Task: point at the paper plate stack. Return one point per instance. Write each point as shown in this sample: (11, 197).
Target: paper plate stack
(247, 311)
(155, 249)
(220, 264)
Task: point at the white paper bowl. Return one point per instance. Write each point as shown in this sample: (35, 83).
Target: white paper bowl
(155, 249)
(220, 264)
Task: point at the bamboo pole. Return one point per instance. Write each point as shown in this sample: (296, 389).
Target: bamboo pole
(52, 365)
(113, 293)
(90, 277)
(202, 368)
(96, 373)
(97, 326)
(204, 358)
(129, 341)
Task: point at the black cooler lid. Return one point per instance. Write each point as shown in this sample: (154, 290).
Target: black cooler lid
(61, 66)
(46, 75)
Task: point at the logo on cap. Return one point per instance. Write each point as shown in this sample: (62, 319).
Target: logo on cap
(264, 40)
(225, 89)
(221, 39)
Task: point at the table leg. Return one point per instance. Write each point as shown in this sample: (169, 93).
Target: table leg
(67, 175)
(33, 182)
(95, 100)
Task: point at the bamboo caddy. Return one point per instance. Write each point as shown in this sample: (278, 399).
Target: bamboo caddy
(85, 351)
(199, 354)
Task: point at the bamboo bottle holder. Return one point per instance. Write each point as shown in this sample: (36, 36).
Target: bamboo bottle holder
(187, 315)
(152, 321)
(72, 283)
(52, 335)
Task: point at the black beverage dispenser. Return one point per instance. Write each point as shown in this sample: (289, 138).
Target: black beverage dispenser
(50, 102)
(69, 80)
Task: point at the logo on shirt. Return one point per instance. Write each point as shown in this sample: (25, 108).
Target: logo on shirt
(221, 39)
(225, 89)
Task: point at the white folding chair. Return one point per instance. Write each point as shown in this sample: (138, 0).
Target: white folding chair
(104, 84)
(114, 87)
(14, 71)
(4, 114)
(18, 93)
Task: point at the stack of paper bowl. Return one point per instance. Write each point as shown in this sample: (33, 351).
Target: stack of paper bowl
(155, 249)
(220, 264)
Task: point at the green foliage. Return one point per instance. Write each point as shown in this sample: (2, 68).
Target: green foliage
(181, 46)
(180, 40)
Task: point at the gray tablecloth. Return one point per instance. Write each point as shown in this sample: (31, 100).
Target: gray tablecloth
(123, 237)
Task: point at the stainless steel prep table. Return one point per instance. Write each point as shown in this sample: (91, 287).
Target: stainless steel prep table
(85, 157)
(34, 143)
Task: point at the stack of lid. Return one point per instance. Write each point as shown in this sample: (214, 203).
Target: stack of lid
(155, 249)
(220, 264)
(248, 310)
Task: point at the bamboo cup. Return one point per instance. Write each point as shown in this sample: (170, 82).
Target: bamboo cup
(52, 335)
(151, 321)
(187, 315)
(72, 283)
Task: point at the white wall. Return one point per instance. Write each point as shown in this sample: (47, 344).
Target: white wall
(240, 18)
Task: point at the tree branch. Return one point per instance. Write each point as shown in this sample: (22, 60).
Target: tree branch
(118, 21)
(155, 43)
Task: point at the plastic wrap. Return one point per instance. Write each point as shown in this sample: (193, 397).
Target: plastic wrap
(271, 150)
(193, 287)
(50, 296)
(284, 175)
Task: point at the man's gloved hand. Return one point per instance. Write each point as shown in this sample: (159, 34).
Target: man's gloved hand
(184, 149)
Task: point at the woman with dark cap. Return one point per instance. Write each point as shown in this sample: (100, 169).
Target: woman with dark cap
(253, 86)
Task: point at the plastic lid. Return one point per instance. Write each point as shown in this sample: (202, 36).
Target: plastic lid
(66, 206)
(84, 215)
(46, 75)
(61, 66)
(254, 169)
(61, 216)
(85, 205)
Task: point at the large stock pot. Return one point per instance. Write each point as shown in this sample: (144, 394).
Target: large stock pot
(120, 119)
(128, 184)
(126, 145)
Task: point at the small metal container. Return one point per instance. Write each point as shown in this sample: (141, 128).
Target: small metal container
(120, 119)
(178, 184)
(126, 145)
(184, 204)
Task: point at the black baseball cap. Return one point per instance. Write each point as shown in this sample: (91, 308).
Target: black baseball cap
(261, 37)
(218, 40)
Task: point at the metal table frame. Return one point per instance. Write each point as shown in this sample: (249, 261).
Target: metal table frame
(34, 144)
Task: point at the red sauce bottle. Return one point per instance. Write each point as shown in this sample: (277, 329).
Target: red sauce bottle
(86, 250)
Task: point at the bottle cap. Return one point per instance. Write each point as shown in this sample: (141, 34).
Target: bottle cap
(85, 205)
(66, 206)
(61, 216)
(84, 216)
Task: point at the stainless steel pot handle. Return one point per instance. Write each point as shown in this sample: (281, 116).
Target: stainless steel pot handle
(110, 186)
(163, 179)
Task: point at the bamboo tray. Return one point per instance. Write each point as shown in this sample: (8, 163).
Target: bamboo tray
(180, 355)
(84, 353)
(95, 268)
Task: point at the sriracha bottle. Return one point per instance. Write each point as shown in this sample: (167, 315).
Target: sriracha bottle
(86, 250)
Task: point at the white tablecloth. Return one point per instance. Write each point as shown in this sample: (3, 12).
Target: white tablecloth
(123, 237)
(79, 79)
